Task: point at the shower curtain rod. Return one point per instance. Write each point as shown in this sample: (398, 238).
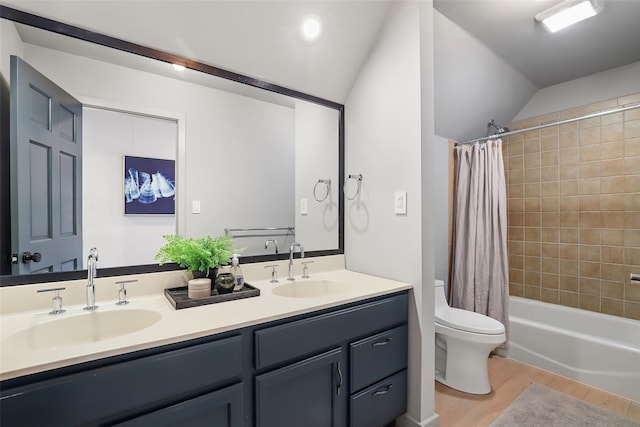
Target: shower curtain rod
(560, 122)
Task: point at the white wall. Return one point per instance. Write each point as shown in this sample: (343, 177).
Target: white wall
(107, 137)
(249, 150)
(384, 135)
(383, 144)
(316, 158)
(440, 188)
(227, 135)
(10, 44)
(472, 84)
(425, 297)
(597, 87)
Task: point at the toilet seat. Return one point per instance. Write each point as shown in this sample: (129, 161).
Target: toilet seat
(470, 337)
(468, 321)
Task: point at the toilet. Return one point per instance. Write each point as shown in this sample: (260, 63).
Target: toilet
(464, 340)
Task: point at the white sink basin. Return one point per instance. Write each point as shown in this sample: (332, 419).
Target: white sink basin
(309, 289)
(82, 328)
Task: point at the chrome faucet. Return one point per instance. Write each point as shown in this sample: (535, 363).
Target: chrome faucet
(92, 272)
(275, 244)
(293, 245)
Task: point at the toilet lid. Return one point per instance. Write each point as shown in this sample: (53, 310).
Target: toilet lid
(465, 320)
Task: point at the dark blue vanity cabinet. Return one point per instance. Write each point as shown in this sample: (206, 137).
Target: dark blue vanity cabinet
(340, 367)
(170, 381)
(331, 361)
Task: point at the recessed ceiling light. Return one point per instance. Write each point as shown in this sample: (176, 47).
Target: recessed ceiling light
(178, 67)
(311, 28)
(568, 13)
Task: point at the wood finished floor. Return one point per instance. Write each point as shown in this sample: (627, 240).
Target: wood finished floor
(508, 379)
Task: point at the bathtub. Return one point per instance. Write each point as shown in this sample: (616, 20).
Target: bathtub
(596, 349)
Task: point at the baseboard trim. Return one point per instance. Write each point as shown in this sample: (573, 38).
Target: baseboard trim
(502, 352)
(406, 421)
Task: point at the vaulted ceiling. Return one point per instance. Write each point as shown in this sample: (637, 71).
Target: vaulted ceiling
(491, 58)
(260, 38)
(507, 27)
(257, 38)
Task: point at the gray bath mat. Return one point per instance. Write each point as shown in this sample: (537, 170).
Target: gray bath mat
(541, 406)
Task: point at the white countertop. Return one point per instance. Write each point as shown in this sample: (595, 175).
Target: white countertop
(174, 325)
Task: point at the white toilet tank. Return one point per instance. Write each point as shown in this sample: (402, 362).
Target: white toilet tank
(441, 299)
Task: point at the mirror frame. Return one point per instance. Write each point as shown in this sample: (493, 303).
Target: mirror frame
(122, 45)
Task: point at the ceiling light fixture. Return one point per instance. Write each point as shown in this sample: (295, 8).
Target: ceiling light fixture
(311, 28)
(178, 67)
(568, 13)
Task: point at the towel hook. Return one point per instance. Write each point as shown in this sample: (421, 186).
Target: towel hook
(327, 183)
(358, 178)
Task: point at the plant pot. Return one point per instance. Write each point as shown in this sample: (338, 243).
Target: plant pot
(199, 288)
(225, 282)
(213, 272)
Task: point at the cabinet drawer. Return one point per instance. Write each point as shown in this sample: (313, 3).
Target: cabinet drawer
(377, 357)
(98, 394)
(222, 408)
(303, 337)
(381, 403)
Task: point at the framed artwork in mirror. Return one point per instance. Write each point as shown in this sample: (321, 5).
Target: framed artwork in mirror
(149, 186)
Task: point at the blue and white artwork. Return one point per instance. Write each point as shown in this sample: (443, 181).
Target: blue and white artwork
(149, 186)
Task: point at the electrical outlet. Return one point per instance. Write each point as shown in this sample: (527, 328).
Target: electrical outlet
(400, 203)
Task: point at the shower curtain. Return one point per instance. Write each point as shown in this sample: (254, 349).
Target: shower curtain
(480, 272)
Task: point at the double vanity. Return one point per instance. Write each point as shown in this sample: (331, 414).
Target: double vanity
(330, 350)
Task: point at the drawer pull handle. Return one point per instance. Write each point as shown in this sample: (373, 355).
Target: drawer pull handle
(339, 388)
(381, 390)
(382, 342)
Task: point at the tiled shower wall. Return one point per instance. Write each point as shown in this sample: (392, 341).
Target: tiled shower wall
(574, 209)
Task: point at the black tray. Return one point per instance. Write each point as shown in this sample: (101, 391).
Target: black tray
(179, 299)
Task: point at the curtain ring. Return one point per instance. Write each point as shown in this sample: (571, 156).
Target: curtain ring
(358, 178)
(327, 183)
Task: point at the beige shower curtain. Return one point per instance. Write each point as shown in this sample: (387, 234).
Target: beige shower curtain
(480, 278)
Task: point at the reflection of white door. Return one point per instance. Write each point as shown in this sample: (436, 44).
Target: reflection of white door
(46, 153)
(108, 136)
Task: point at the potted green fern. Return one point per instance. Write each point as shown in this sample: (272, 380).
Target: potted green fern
(202, 256)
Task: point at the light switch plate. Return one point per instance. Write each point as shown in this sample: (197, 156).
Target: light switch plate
(400, 203)
(303, 207)
(195, 206)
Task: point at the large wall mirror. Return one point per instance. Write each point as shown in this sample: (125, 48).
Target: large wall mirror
(254, 160)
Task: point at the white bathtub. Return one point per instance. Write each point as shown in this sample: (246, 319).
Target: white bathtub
(596, 349)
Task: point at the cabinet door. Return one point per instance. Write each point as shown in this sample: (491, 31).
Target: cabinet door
(310, 393)
(222, 408)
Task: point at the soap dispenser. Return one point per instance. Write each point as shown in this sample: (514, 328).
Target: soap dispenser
(237, 272)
